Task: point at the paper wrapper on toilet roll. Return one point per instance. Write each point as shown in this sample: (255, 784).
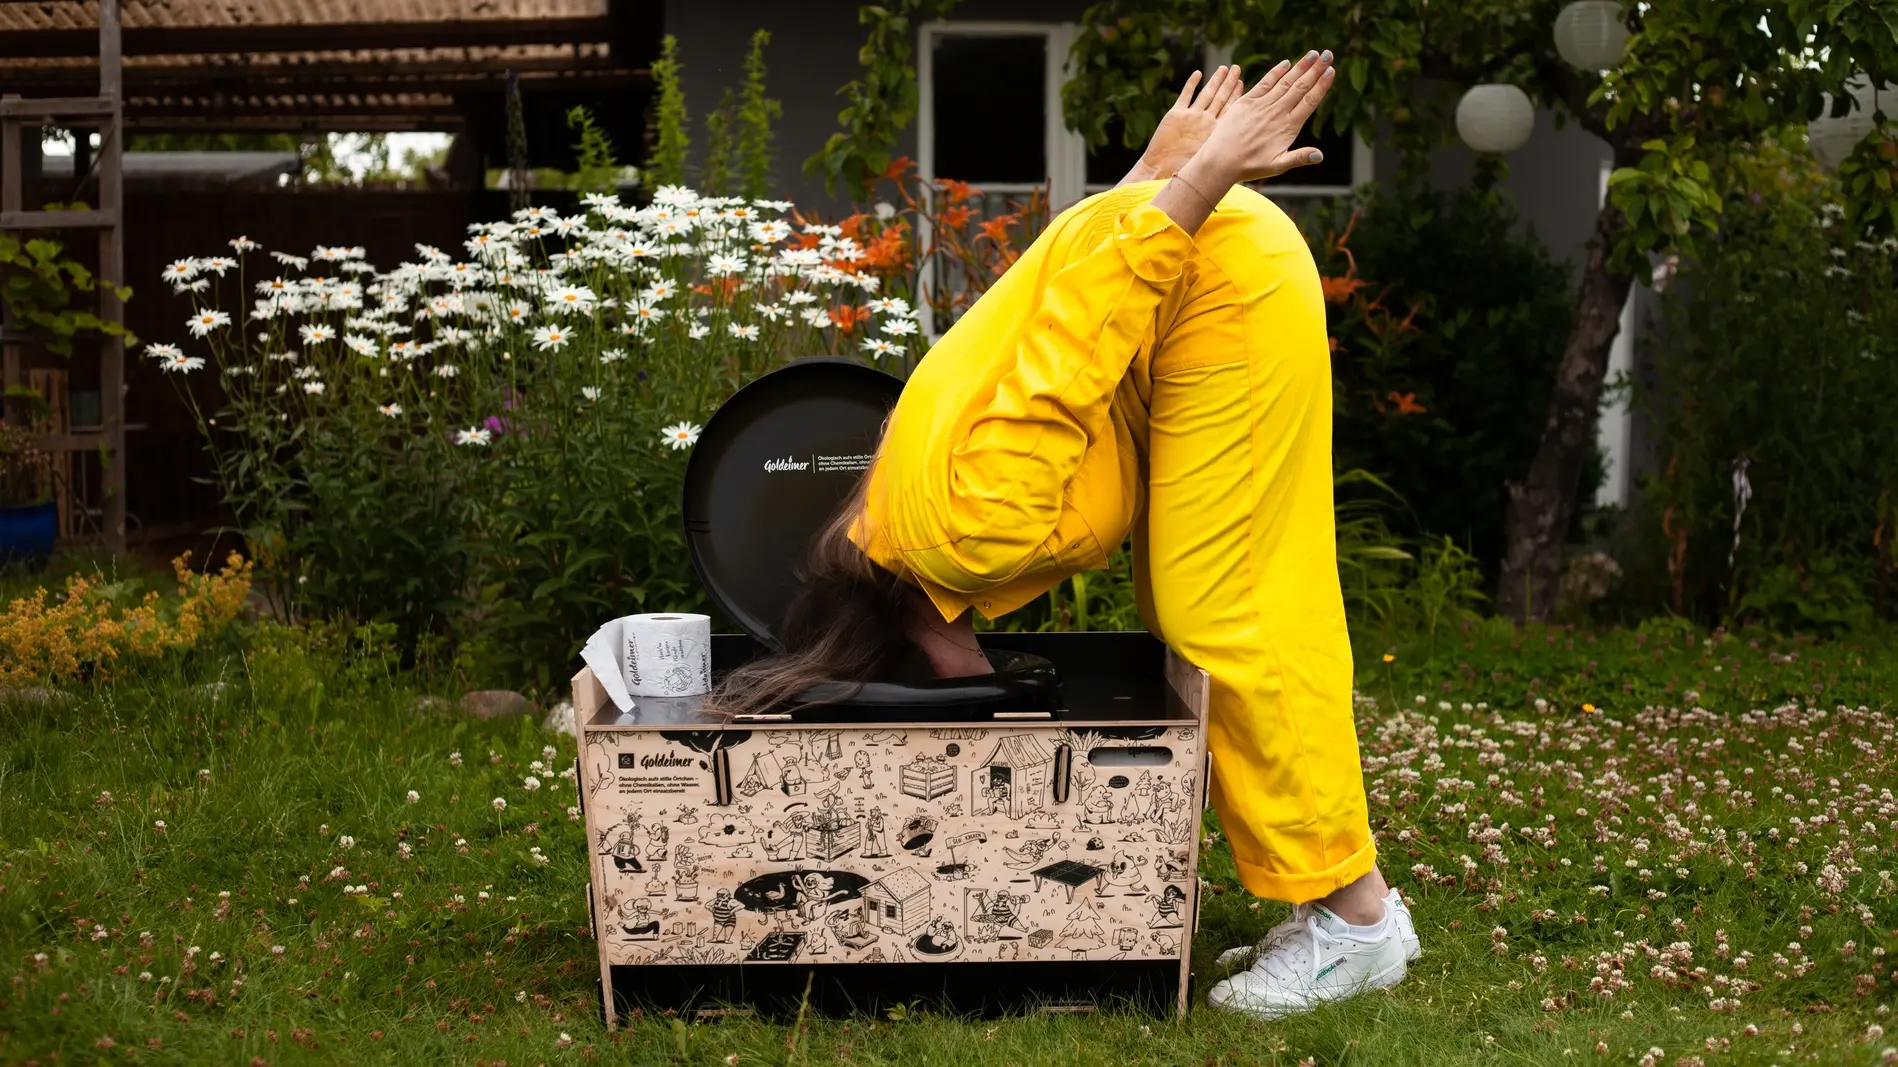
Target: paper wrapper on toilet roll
(681, 656)
(667, 654)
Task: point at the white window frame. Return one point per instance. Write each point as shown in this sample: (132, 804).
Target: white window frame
(1064, 150)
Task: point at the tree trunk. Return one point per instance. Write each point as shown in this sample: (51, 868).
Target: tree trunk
(1542, 504)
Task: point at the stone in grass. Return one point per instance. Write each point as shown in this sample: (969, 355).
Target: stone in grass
(38, 696)
(495, 704)
(560, 719)
(429, 706)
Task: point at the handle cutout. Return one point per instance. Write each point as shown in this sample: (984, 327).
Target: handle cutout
(1063, 772)
(721, 777)
(1131, 756)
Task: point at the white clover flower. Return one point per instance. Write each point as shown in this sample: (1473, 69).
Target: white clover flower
(204, 322)
(530, 783)
(475, 435)
(499, 804)
(680, 435)
(346, 842)
(454, 759)
(413, 796)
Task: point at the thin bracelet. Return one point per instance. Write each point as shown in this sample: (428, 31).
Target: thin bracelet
(1180, 176)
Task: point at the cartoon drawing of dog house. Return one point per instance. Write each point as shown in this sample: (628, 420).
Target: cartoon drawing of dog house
(898, 902)
(1014, 776)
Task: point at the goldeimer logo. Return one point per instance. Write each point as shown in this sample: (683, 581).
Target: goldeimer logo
(785, 464)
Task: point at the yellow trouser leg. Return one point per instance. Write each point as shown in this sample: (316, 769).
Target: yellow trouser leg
(1238, 553)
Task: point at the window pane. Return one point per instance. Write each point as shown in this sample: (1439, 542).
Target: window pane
(1109, 163)
(1335, 170)
(990, 108)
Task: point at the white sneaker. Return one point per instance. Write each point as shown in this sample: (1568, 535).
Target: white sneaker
(1242, 956)
(1301, 965)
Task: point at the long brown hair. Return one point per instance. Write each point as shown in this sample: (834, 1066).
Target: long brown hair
(849, 621)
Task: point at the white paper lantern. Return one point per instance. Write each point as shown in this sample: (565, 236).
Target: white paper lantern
(1833, 139)
(1590, 34)
(1495, 118)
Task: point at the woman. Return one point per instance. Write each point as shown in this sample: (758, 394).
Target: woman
(1156, 363)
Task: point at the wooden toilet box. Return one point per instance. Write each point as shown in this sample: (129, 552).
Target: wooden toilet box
(985, 864)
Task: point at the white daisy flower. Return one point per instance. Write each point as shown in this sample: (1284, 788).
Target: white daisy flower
(801, 296)
(550, 337)
(198, 286)
(572, 298)
(391, 410)
(771, 311)
(818, 317)
(697, 331)
(743, 333)
(243, 244)
(204, 322)
(182, 270)
(889, 305)
(316, 333)
(898, 327)
(680, 435)
(723, 266)
(313, 387)
(660, 290)
(357, 343)
(218, 264)
(878, 347)
(181, 363)
(589, 392)
(299, 262)
(473, 436)
(161, 351)
(447, 370)
(674, 194)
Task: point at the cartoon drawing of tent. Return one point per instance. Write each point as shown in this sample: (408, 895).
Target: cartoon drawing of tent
(1014, 776)
(764, 773)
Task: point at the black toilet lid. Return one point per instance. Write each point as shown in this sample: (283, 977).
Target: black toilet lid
(770, 468)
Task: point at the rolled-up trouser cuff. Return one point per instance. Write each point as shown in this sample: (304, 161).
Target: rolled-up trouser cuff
(1299, 887)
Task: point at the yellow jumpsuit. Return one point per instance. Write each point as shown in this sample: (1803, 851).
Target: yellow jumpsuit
(1125, 377)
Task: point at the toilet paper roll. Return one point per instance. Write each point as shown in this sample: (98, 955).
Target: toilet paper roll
(666, 654)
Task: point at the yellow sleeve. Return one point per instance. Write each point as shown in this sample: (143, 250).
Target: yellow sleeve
(1005, 483)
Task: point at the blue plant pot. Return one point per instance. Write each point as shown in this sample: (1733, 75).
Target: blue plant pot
(27, 532)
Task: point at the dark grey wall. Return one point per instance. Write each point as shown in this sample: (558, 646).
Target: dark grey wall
(1555, 181)
(813, 52)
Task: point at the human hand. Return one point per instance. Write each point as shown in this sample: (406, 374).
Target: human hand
(1186, 125)
(1252, 138)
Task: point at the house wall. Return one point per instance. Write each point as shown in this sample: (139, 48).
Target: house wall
(813, 53)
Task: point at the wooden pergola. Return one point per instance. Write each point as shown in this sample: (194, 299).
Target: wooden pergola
(294, 66)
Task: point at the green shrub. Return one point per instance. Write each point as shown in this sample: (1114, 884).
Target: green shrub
(1772, 397)
(1449, 323)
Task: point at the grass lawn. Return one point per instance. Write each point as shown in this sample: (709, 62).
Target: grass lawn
(260, 856)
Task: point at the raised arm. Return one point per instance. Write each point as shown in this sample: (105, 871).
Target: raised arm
(982, 517)
(1190, 121)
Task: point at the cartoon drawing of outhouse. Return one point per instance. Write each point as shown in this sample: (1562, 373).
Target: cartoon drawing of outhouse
(898, 902)
(1014, 777)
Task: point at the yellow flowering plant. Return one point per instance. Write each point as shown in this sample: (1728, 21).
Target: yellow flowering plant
(88, 631)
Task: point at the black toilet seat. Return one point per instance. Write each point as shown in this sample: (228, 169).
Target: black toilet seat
(772, 465)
